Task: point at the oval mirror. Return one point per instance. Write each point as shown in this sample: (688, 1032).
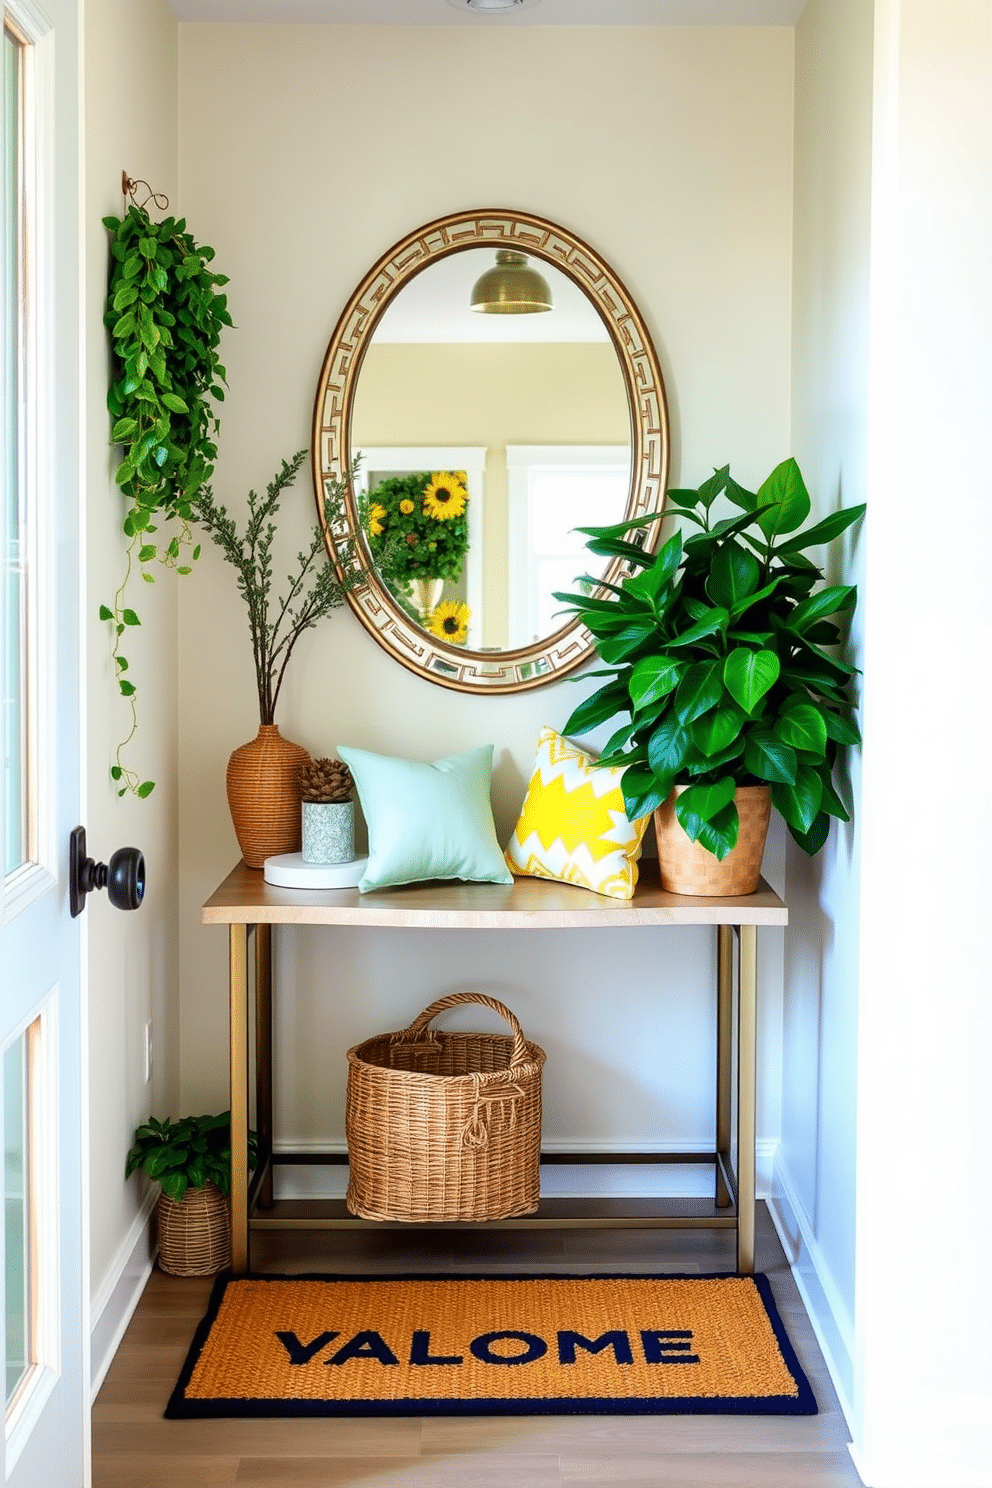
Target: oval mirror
(498, 389)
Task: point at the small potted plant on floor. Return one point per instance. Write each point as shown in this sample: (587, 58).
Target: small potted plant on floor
(721, 652)
(190, 1160)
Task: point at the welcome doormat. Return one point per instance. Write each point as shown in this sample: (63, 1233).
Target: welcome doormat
(490, 1345)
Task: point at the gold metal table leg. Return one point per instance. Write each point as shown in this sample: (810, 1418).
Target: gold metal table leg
(746, 1082)
(263, 1058)
(238, 971)
(724, 1053)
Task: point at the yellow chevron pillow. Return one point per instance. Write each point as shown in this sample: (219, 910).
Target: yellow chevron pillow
(573, 826)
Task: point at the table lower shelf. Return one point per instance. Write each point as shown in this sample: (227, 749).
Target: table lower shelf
(676, 1213)
(552, 1214)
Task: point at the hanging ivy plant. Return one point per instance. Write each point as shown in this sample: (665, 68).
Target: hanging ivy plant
(165, 312)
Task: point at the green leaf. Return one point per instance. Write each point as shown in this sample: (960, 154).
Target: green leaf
(128, 689)
(129, 617)
(813, 840)
(739, 496)
(653, 678)
(803, 727)
(711, 489)
(822, 532)
(841, 729)
(619, 646)
(116, 772)
(734, 575)
(785, 490)
(684, 499)
(615, 529)
(748, 600)
(700, 689)
(829, 800)
(146, 788)
(619, 739)
(769, 759)
(712, 733)
(749, 675)
(799, 803)
(643, 791)
(106, 613)
(615, 547)
(598, 708)
(123, 429)
(829, 601)
(717, 835)
(706, 800)
(175, 1185)
(668, 747)
(650, 582)
(712, 623)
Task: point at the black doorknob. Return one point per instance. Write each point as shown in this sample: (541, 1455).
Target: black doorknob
(123, 877)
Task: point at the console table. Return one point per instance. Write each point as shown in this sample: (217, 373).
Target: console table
(250, 906)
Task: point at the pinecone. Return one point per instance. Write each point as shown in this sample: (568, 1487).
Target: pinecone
(325, 780)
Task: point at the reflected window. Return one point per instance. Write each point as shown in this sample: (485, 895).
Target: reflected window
(554, 490)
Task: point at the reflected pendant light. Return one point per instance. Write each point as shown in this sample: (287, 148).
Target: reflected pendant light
(490, 5)
(512, 287)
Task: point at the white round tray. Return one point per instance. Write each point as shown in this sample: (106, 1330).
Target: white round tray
(290, 871)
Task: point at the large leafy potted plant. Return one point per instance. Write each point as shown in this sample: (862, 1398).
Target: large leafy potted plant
(719, 653)
(190, 1160)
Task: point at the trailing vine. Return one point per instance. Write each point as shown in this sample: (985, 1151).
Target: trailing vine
(165, 314)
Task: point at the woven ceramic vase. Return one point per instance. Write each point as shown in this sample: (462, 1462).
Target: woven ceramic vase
(194, 1237)
(263, 792)
(687, 868)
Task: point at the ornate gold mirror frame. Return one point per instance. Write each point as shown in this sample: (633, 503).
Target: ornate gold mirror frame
(436, 660)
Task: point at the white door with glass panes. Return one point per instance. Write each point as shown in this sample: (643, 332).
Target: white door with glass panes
(45, 1440)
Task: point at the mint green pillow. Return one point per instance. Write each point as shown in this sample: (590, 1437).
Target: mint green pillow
(427, 821)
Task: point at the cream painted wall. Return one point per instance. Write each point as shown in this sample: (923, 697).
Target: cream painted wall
(922, 1412)
(131, 84)
(831, 242)
(305, 153)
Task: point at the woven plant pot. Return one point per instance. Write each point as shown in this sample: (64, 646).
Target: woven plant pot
(263, 792)
(444, 1126)
(687, 868)
(194, 1237)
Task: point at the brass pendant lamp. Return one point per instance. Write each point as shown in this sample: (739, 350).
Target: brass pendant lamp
(512, 287)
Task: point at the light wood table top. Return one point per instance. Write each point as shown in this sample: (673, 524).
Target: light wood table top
(244, 898)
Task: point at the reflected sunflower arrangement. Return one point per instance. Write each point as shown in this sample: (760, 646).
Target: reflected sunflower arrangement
(449, 622)
(417, 526)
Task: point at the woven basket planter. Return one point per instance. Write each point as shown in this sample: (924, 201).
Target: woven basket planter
(444, 1126)
(687, 868)
(194, 1237)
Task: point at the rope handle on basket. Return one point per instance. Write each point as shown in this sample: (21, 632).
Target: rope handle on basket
(410, 1035)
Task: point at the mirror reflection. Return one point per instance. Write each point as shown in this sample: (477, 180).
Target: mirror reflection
(485, 440)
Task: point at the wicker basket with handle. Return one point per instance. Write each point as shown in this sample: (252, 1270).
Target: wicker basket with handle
(444, 1126)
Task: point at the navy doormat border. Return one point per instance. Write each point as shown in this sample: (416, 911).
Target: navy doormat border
(179, 1407)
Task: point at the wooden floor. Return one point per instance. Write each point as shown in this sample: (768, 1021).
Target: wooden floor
(133, 1447)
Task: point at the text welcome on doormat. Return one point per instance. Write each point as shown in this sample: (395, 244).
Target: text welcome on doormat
(490, 1345)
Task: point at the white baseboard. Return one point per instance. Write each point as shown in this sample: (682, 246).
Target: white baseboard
(611, 1180)
(831, 1319)
(117, 1296)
